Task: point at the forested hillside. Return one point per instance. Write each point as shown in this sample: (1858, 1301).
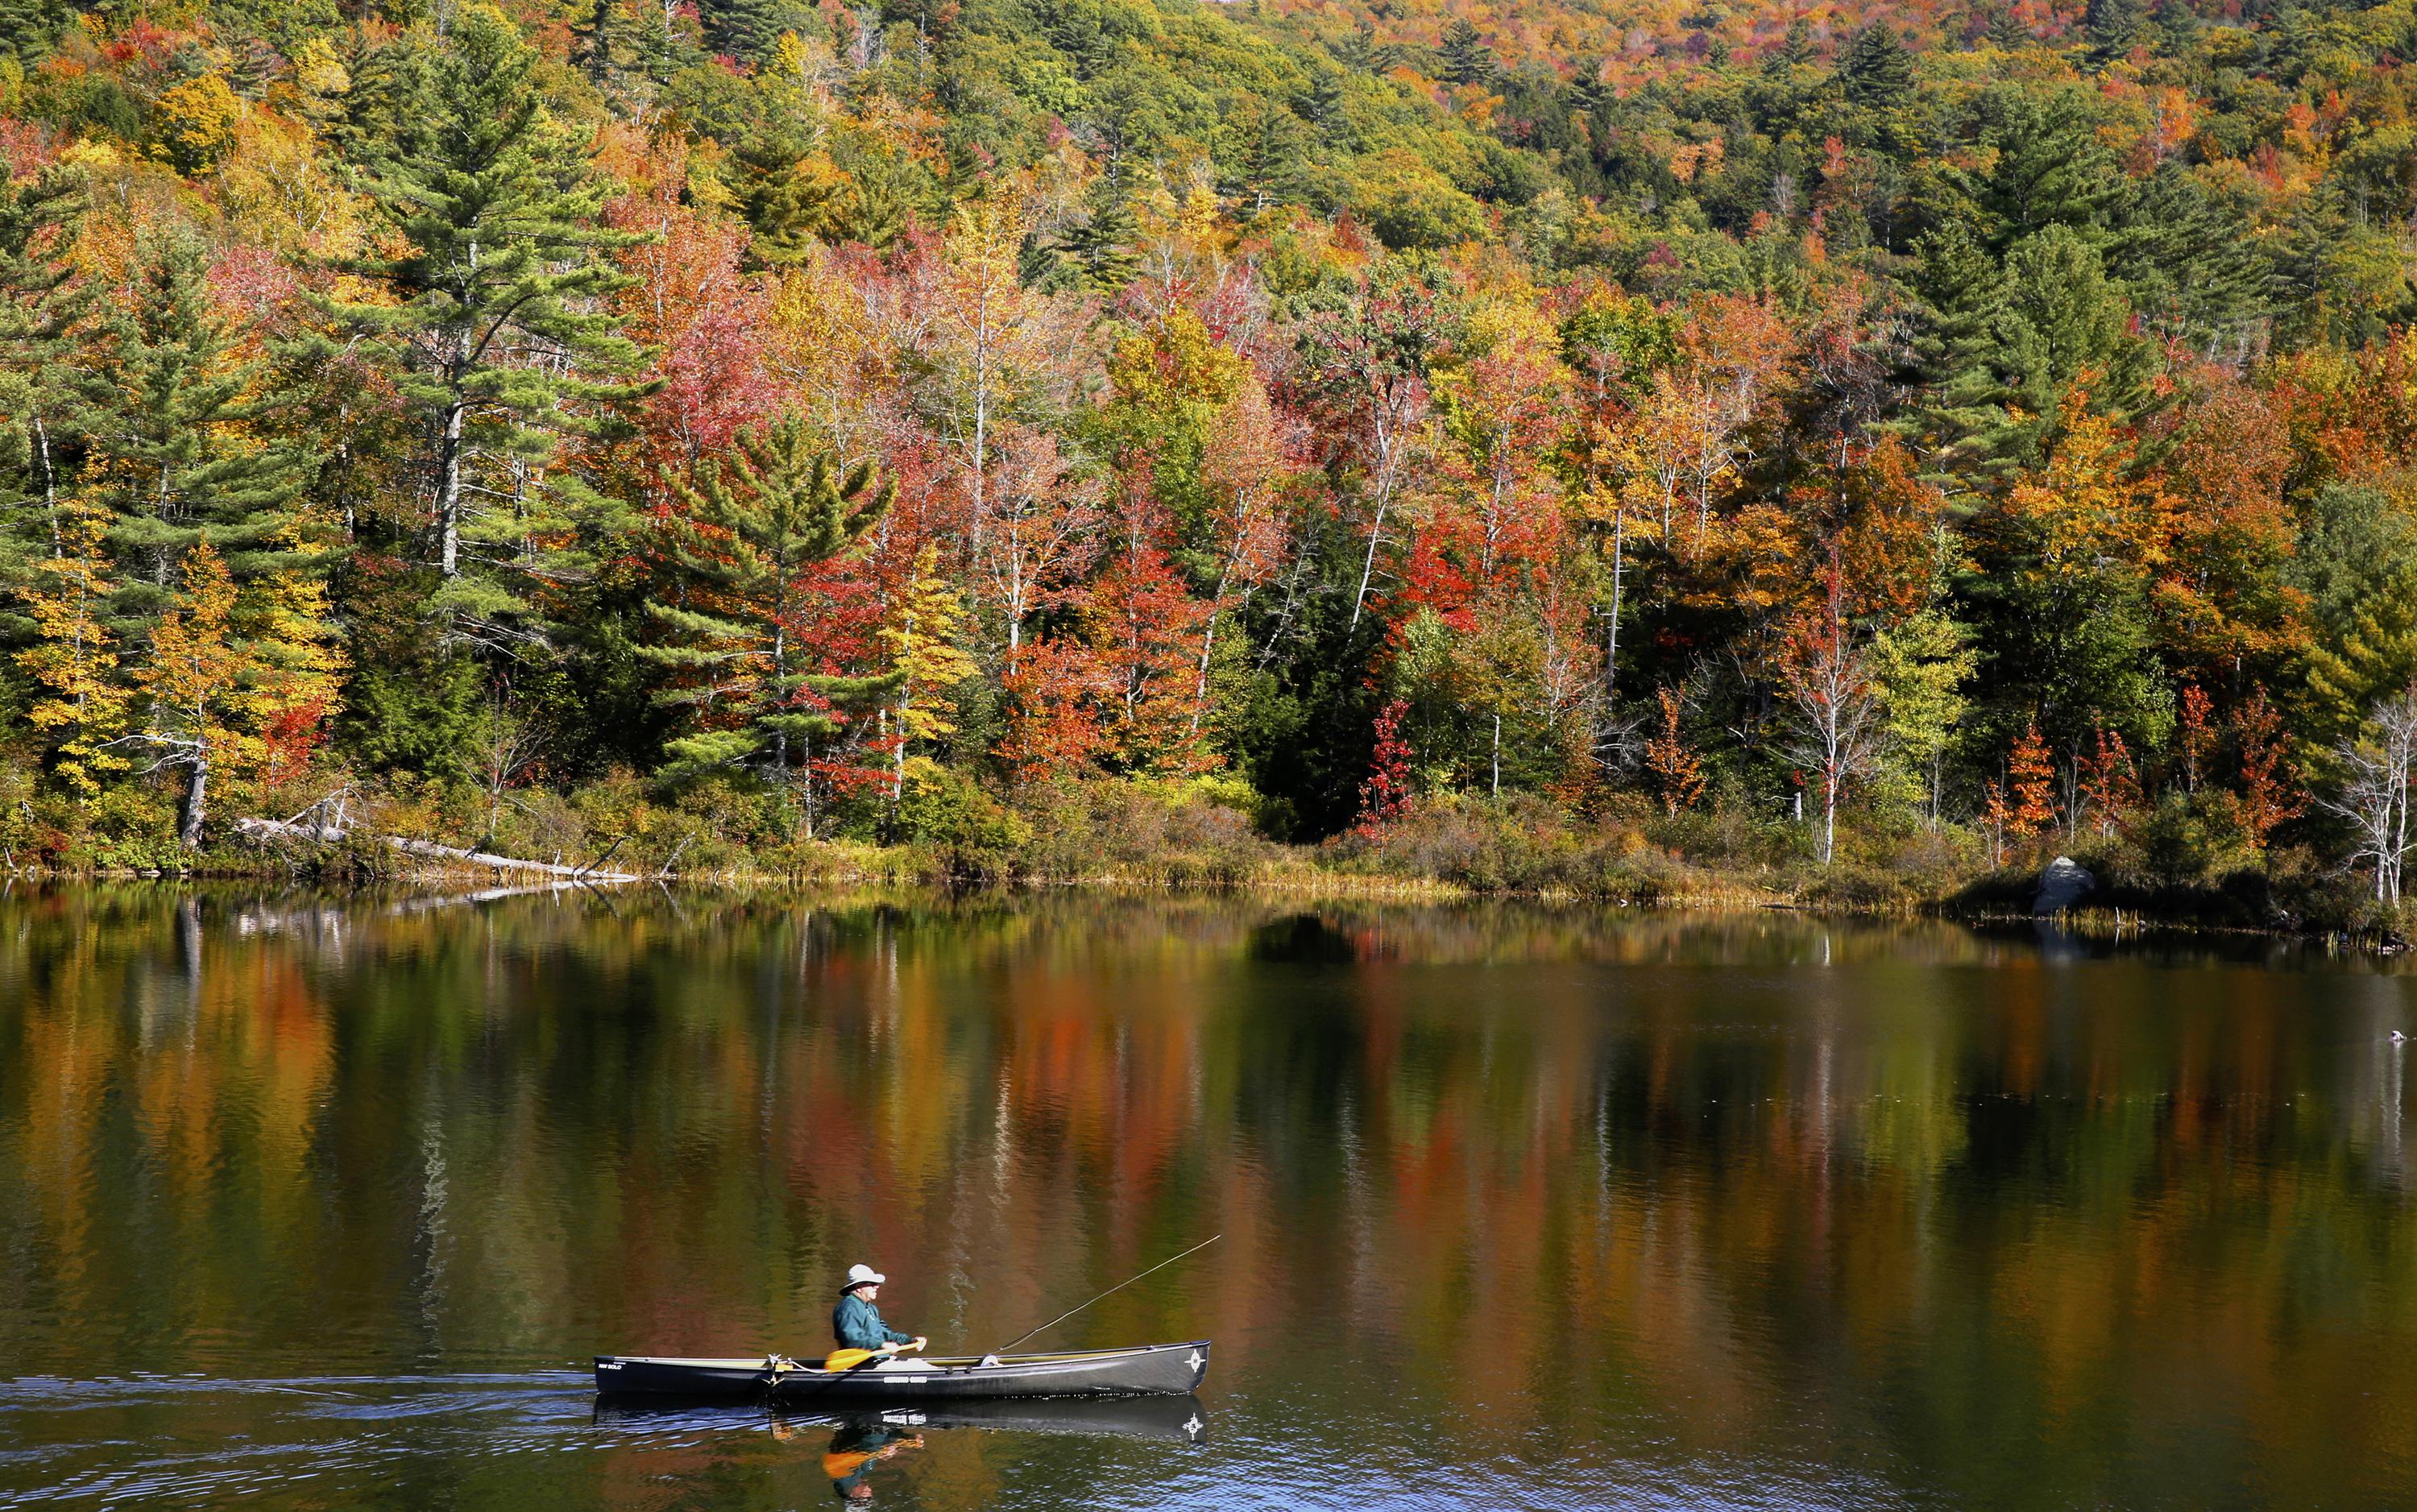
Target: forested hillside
(1871, 441)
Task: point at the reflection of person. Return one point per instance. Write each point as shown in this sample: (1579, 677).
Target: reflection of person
(853, 1450)
(856, 1322)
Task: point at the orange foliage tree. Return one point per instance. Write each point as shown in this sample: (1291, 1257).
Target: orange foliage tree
(1678, 771)
(2108, 782)
(2269, 793)
(2021, 807)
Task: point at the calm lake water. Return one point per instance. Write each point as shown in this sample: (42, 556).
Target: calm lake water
(312, 1202)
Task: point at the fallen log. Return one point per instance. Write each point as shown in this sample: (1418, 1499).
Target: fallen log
(429, 850)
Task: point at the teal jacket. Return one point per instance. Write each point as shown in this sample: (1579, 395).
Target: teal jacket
(856, 1324)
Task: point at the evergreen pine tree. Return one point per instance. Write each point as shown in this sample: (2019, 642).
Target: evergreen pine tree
(30, 28)
(743, 545)
(2114, 27)
(1796, 49)
(1878, 81)
(2173, 27)
(174, 443)
(1099, 245)
(884, 195)
(792, 196)
(1329, 109)
(2193, 265)
(1963, 298)
(2066, 320)
(1466, 59)
(2047, 165)
(2013, 342)
(2006, 31)
(1271, 148)
(43, 393)
(662, 41)
(2339, 277)
(384, 114)
(596, 39)
(1877, 73)
(495, 332)
(743, 30)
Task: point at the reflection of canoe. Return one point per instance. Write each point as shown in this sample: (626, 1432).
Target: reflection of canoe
(1151, 1370)
(1125, 1417)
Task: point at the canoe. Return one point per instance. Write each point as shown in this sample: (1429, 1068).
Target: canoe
(1181, 1419)
(1150, 1370)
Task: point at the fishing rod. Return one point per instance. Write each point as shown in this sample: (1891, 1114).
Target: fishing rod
(1111, 1292)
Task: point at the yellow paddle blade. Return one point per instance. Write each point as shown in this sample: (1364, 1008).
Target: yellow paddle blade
(848, 1359)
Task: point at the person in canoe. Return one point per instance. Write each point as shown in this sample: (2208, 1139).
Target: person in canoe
(857, 1322)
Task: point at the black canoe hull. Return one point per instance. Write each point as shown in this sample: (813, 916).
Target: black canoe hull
(1152, 1370)
(1182, 1419)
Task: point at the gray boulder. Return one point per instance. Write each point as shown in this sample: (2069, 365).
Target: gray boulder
(2064, 883)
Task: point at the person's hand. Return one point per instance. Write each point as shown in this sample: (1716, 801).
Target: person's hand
(889, 1348)
(920, 1342)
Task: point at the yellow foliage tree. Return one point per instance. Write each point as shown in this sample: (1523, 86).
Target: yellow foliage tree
(988, 329)
(236, 685)
(193, 124)
(75, 658)
(193, 682)
(2088, 508)
(296, 669)
(921, 634)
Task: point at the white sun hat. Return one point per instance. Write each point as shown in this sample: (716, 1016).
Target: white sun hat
(863, 1275)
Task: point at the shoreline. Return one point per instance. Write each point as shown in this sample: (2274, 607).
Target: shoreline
(905, 869)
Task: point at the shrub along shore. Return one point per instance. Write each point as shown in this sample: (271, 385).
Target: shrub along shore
(2170, 868)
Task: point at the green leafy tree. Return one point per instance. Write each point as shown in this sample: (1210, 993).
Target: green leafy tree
(193, 684)
(2061, 602)
(79, 705)
(1920, 666)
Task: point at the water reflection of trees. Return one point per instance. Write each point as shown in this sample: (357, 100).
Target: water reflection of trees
(1757, 1179)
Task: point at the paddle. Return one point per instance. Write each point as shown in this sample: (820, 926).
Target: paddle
(848, 1359)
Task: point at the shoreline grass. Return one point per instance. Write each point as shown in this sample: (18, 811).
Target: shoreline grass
(1200, 838)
